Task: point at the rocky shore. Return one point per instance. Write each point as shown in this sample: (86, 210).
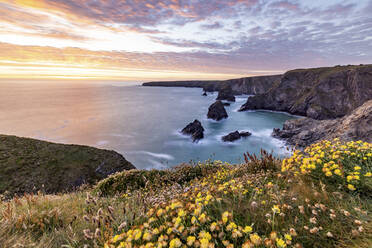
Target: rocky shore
(334, 100)
(305, 131)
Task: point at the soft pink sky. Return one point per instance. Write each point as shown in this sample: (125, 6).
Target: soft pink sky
(179, 39)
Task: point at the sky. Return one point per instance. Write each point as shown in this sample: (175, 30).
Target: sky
(179, 39)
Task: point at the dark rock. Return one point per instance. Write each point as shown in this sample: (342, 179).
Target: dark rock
(318, 93)
(226, 93)
(305, 131)
(235, 136)
(204, 93)
(217, 111)
(195, 129)
(226, 104)
(245, 134)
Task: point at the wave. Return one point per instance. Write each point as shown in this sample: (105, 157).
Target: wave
(155, 155)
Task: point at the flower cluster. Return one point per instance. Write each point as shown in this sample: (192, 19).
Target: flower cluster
(345, 163)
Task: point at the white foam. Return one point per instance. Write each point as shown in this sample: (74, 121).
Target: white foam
(155, 155)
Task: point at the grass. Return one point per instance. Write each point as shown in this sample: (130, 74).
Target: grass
(263, 202)
(28, 165)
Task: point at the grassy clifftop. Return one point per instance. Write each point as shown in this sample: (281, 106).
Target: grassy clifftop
(319, 197)
(28, 165)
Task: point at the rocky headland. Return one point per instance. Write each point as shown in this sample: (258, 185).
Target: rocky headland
(246, 85)
(318, 93)
(28, 165)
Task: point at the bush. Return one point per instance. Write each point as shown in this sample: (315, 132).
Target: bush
(345, 165)
(131, 180)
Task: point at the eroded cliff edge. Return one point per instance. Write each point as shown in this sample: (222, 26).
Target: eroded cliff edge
(305, 131)
(318, 93)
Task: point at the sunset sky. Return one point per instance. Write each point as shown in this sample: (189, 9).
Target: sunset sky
(179, 39)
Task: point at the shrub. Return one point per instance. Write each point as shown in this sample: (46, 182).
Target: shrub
(347, 165)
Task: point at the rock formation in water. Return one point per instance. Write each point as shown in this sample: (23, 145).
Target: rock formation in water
(226, 93)
(305, 131)
(235, 136)
(247, 85)
(318, 93)
(217, 111)
(195, 129)
(226, 103)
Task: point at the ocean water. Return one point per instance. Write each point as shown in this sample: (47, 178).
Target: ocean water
(141, 123)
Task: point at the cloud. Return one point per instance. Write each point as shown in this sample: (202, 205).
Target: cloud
(215, 25)
(235, 37)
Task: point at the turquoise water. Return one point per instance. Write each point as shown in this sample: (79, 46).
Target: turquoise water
(142, 123)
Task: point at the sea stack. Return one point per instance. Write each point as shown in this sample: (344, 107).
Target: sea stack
(217, 111)
(195, 129)
(226, 93)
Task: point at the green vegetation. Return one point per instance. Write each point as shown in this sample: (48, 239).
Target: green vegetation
(29, 165)
(263, 202)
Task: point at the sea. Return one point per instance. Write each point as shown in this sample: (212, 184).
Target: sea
(141, 123)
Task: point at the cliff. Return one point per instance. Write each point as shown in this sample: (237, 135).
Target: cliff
(28, 165)
(246, 85)
(305, 131)
(318, 93)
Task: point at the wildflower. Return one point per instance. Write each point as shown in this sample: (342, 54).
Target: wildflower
(287, 237)
(202, 218)
(174, 243)
(147, 236)
(314, 230)
(247, 229)
(190, 240)
(368, 174)
(275, 209)
(231, 226)
(293, 232)
(213, 226)
(273, 236)
(357, 168)
(225, 217)
(204, 243)
(313, 220)
(338, 172)
(256, 240)
(247, 244)
(351, 187)
(329, 235)
(281, 243)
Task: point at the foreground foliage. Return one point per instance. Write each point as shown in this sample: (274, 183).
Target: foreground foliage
(264, 202)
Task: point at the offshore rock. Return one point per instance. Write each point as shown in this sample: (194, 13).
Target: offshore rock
(195, 129)
(217, 111)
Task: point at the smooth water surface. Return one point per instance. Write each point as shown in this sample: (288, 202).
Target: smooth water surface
(142, 123)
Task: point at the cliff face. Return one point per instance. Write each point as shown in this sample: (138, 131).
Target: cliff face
(247, 85)
(320, 93)
(28, 165)
(305, 131)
